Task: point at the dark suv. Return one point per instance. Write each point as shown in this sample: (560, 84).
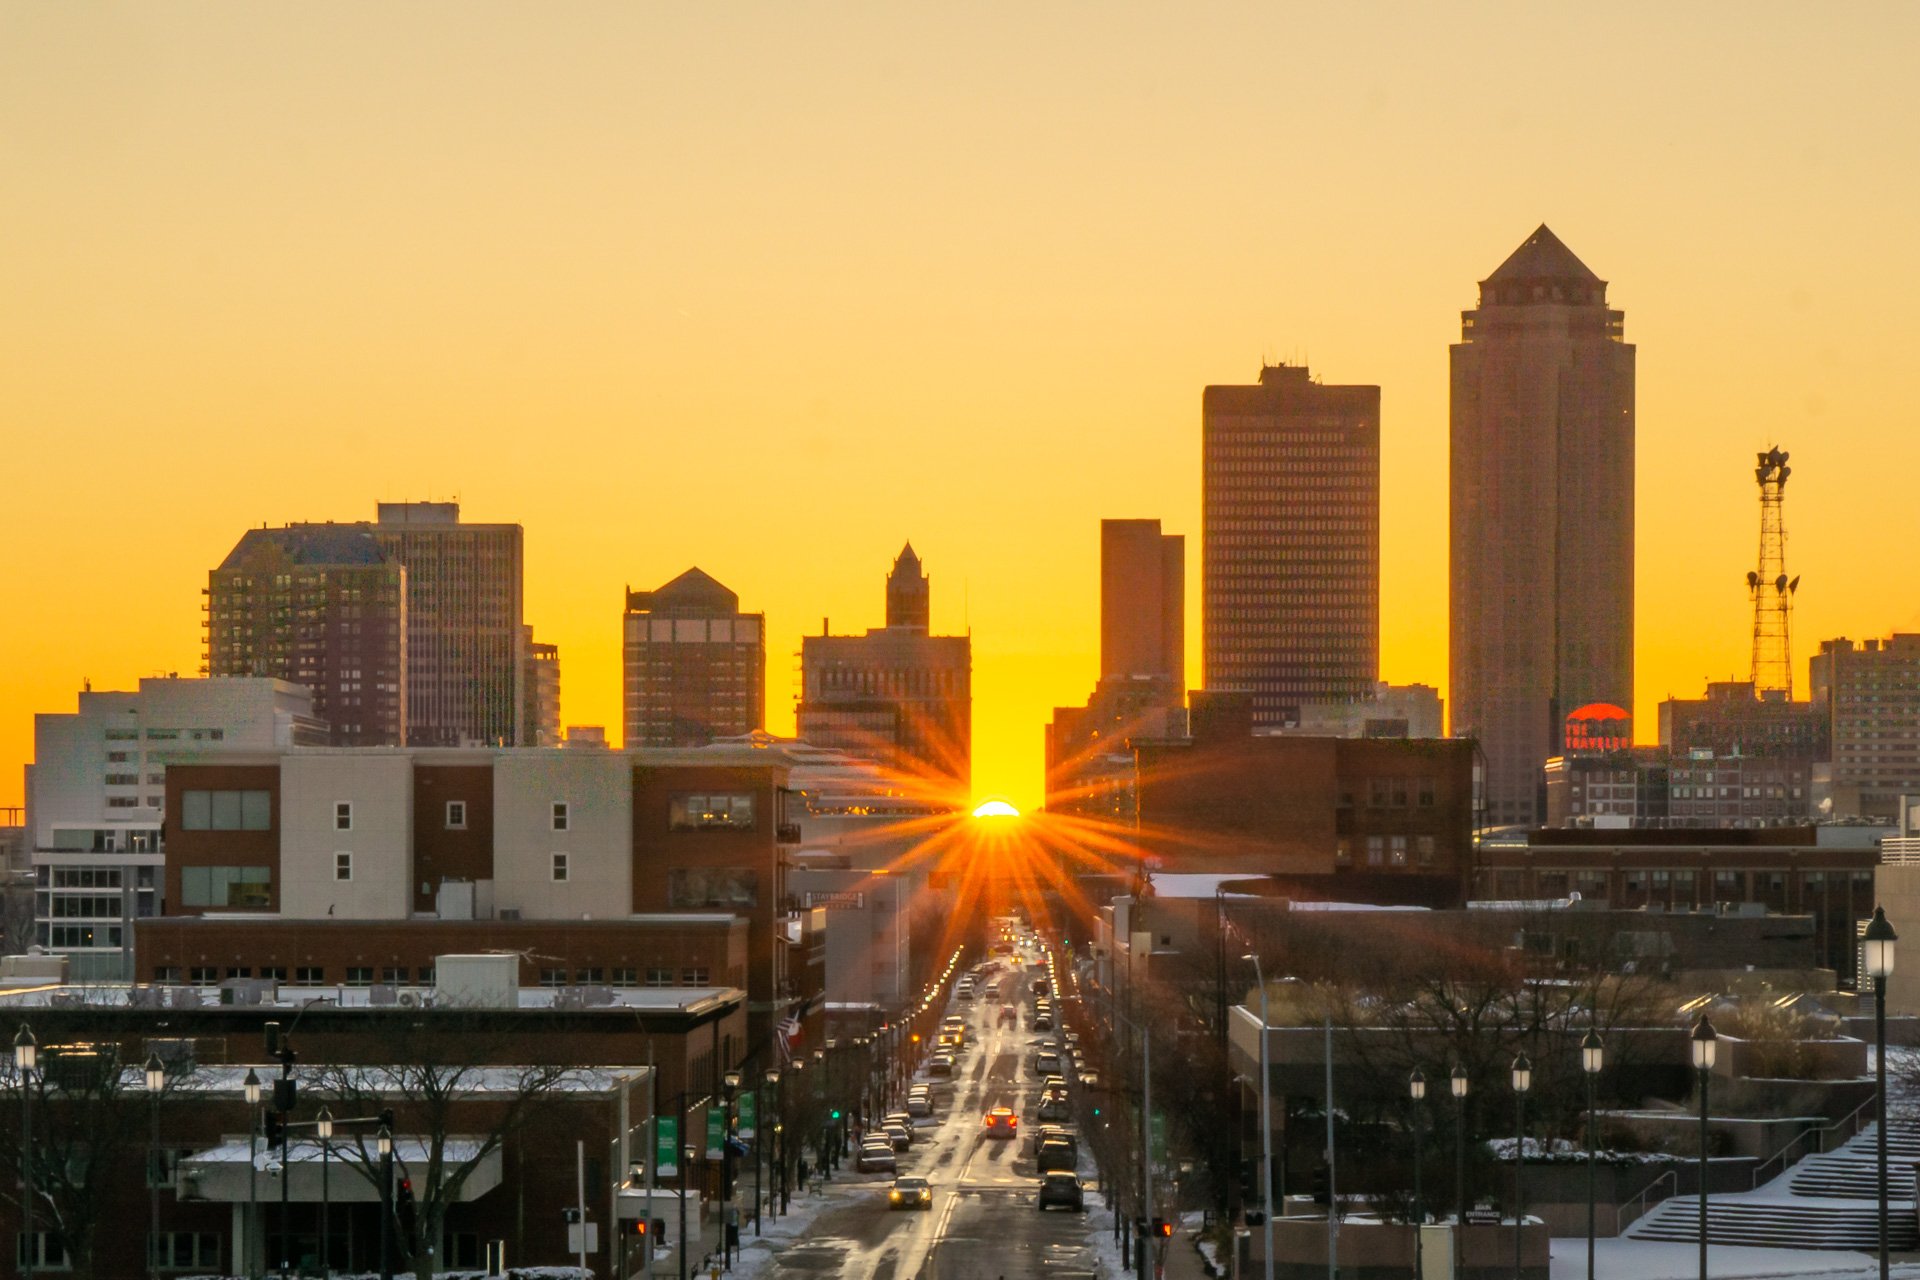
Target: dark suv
(1056, 1155)
(1063, 1189)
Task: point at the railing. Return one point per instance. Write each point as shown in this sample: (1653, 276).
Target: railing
(1852, 1122)
(1640, 1203)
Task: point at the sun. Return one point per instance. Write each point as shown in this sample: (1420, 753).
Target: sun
(995, 809)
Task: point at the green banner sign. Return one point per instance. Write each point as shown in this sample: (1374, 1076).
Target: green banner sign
(666, 1147)
(716, 1132)
(1158, 1128)
(748, 1124)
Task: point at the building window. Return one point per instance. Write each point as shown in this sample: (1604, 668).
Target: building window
(226, 810)
(559, 815)
(44, 1249)
(626, 977)
(1423, 849)
(1426, 793)
(343, 815)
(187, 1250)
(310, 975)
(728, 812)
(359, 975)
(239, 971)
(1397, 850)
(456, 815)
(393, 976)
(166, 974)
(161, 1165)
(277, 972)
(226, 886)
(343, 866)
(1376, 850)
(203, 975)
(426, 975)
(659, 977)
(559, 867)
(553, 977)
(589, 977)
(694, 977)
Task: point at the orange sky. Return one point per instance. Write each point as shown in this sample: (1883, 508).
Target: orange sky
(771, 288)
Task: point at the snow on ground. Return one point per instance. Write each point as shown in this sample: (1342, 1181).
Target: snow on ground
(757, 1252)
(1660, 1260)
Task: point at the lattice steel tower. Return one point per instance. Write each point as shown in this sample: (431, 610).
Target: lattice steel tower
(1769, 587)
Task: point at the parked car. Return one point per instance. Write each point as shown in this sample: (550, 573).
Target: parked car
(1042, 1021)
(1055, 1154)
(920, 1104)
(877, 1155)
(1062, 1188)
(1054, 1108)
(1047, 1064)
(910, 1193)
(899, 1135)
(940, 1066)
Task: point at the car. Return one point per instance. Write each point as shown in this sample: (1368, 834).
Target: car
(1053, 1084)
(920, 1104)
(1046, 1064)
(1042, 1021)
(876, 1156)
(902, 1118)
(1054, 1154)
(1055, 1108)
(1008, 1016)
(910, 1193)
(1061, 1187)
(940, 1066)
(1089, 1079)
(1001, 1122)
(899, 1135)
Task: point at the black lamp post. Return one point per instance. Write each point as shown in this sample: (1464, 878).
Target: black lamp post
(1593, 1056)
(250, 1090)
(1522, 1081)
(686, 1165)
(26, 1055)
(1705, 1043)
(762, 1142)
(156, 1074)
(384, 1142)
(1878, 955)
(1458, 1081)
(323, 1126)
(1416, 1090)
(286, 1093)
(730, 1082)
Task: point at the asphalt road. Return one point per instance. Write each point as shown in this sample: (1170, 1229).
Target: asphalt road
(984, 1223)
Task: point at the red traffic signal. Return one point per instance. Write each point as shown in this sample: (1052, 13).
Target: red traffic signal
(1162, 1228)
(640, 1227)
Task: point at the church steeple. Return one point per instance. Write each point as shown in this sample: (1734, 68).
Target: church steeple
(909, 594)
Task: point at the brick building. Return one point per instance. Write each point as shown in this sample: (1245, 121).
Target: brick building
(696, 667)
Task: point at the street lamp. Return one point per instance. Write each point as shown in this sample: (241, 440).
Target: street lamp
(1522, 1081)
(1705, 1043)
(762, 1144)
(686, 1164)
(26, 1053)
(730, 1082)
(383, 1141)
(323, 1126)
(1417, 1090)
(1458, 1082)
(1593, 1056)
(250, 1089)
(1878, 954)
(1266, 1121)
(156, 1073)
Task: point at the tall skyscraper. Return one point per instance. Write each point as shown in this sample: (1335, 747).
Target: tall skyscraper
(540, 718)
(1142, 686)
(1542, 507)
(465, 646)
(322, 605)
(1290, 542)
(696, 667)
(896, 694)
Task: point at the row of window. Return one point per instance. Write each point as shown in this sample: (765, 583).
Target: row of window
(201, 975)
(226, 810)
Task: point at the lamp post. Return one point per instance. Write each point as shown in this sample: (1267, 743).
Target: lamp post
(780, 1135)
(156, 1074)
(1593, 1056)
(730, 1083)
(323, 1126)
(1705, 1042)
(762, 1139)
(1522, 1081)
(686, 1164)
(1458, 1082)
(1878, 954)
(384, 1142)
(1266, 1121)
(1417, 1090)
(824, 1129)
(26, 1054)
(250, 1090)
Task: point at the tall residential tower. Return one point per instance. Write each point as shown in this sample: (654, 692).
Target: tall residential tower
(1290, 542)
(696, 667)
(1542, 516)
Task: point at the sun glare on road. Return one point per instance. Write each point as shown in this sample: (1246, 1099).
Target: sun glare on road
(996, 809)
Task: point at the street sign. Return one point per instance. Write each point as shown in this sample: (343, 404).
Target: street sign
(716, 1132)
(748, 1122)
(576, 1243)
(1158, 1128)
(666, 1147)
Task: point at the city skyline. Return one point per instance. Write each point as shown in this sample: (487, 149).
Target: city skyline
(242, 296)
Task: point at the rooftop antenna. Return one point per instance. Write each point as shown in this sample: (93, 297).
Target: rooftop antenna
(1769, 587)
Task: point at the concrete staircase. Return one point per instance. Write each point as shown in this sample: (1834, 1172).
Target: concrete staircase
(1824, 1202)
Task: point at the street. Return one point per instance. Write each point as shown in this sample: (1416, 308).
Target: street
(984, 1223)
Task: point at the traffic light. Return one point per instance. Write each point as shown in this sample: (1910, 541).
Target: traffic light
(276, 1130)
(1162, 1228)
(1322, 1184)
(836, 1115)
(403, 1205)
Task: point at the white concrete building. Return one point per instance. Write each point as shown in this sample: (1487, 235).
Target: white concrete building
(95, 793)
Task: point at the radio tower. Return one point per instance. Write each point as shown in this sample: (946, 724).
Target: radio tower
(1769, 587)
